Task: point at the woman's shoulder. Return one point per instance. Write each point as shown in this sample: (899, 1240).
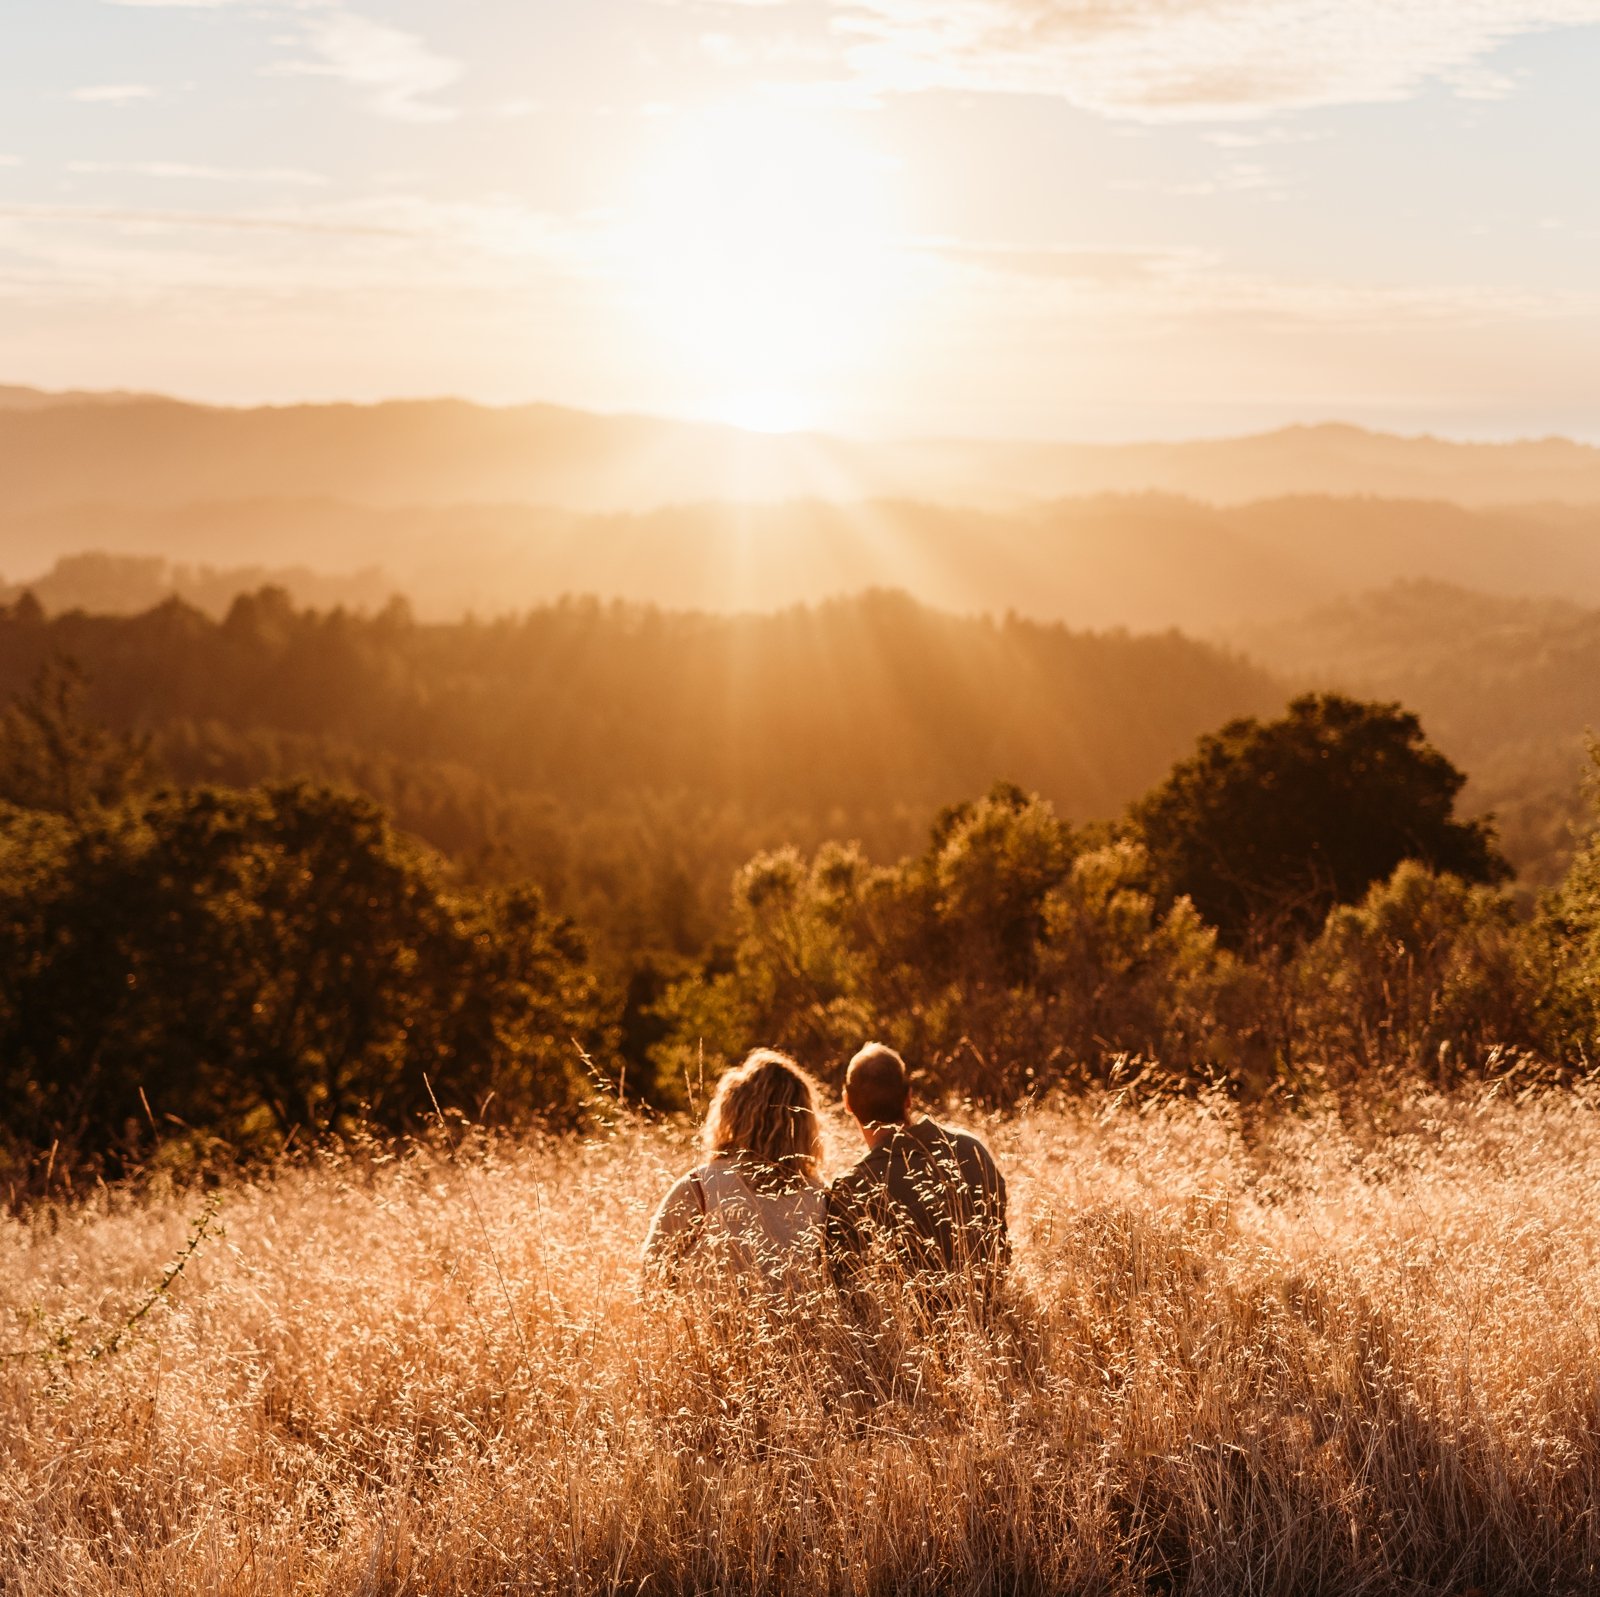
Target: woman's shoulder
(717, 1178)
(689, 1190)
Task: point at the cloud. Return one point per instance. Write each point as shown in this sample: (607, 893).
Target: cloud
(183, 169)
(498, 233)
(1148, 285)
(1196, 59)
(149, 223)
(112, 93)
(397, 71)
(1099, 266)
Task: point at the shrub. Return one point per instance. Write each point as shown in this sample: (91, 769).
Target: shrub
(1425, 976)
(1003, 958)
(1566, 942)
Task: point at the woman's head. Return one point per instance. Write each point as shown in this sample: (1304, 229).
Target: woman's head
(765, 1111)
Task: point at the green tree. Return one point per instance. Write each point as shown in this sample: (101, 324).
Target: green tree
(1003, 957)
(1127, 979)
(793, 979)
(249, 963)
(54, 758)
(951, 941)
(1270, 824)
(991, 868)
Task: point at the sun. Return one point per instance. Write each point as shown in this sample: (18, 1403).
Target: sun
(760, 258)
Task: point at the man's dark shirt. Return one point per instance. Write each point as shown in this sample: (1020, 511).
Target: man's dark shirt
(931, 1197)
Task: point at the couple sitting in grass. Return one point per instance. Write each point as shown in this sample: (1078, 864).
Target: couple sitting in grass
(925, 1201)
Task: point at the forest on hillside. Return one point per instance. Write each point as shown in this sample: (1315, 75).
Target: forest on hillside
(1508, 687)
(628, 758)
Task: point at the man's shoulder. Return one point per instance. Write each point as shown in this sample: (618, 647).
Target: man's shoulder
(966, 1140)
(970, 1155)
(926, 1139)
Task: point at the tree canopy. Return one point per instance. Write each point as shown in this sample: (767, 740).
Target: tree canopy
(244, 964)
(1269, 824)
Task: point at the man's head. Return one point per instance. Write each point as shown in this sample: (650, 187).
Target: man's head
(877, 1087)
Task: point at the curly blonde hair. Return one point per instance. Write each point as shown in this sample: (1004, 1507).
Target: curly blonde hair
(763, 1116)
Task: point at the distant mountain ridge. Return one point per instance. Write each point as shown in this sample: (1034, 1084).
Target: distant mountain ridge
(15, 397)
(60, 450)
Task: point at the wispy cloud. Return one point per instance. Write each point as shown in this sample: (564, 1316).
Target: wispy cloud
(1104, 266)
(113, 93)
(1110, 284)
(210, 174)
(1171, 59)
(397, 71)
(148, 222)
(457, 238)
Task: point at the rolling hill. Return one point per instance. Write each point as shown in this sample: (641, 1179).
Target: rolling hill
(1146, 561)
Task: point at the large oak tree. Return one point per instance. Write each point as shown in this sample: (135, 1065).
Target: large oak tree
(1269, 824)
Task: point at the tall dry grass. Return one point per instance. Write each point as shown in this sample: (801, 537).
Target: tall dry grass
(1318, 1357)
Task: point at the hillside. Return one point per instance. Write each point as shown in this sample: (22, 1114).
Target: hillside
(630, 758)
(59, 451)
(16, 397)
(851, 704)
(1146, 561)
(436, 1372)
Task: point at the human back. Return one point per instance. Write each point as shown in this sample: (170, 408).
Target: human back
(925, 1198)
(933, 1191)
(755, 1206)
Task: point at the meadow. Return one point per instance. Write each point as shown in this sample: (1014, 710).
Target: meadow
(1346, 1348)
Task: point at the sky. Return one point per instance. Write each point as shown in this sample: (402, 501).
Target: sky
(1090, 219)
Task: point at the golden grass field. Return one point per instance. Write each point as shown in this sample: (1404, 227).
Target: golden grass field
(1335, 1353)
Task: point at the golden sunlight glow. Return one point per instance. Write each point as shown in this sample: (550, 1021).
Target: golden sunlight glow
(760, 255)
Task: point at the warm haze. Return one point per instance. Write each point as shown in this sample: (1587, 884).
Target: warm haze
(606, 605)
(999, 217)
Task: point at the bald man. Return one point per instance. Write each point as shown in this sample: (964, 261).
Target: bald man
(929, 1198)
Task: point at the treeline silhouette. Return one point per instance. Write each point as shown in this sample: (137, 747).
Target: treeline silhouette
(129, 584)
(1506, 685)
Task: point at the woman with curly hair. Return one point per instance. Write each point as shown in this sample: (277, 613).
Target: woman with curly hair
(757, 1202)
